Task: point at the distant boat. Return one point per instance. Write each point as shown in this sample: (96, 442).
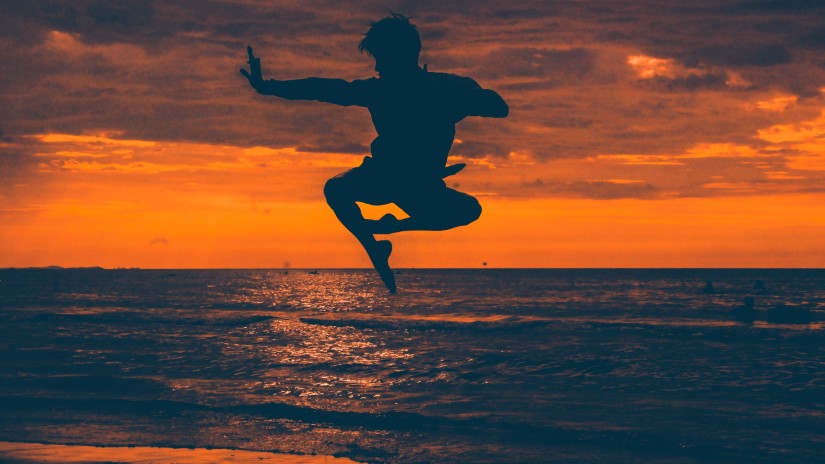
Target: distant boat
(708, 287)
(313, 272)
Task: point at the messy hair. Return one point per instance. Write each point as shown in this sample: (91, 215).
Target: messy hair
(392, 36)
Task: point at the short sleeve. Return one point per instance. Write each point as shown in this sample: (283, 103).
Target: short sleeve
(462, 94)
(467, 84)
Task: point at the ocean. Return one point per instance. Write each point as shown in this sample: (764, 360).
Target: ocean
(461, 366)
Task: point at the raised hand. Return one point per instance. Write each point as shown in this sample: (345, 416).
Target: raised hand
(254, 74)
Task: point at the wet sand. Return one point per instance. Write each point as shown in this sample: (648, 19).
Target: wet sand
(12, 452)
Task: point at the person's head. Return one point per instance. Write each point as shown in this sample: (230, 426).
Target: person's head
(394, 43)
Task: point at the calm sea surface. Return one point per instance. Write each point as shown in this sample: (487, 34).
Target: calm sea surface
(459, 366)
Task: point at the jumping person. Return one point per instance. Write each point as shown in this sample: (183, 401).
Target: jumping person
(414, 112)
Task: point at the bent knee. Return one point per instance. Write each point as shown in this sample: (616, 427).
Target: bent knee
(470, 212)
(473, 211)
(334, 189)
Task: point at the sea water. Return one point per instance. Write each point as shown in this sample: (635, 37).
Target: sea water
(460, 366)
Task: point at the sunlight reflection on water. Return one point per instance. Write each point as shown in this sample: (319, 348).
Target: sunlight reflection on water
(459, 363)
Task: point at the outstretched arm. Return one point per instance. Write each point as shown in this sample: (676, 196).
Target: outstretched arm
(473, 100)
(336, 91)
(487, 103)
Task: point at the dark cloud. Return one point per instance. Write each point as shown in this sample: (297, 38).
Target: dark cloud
(14, 162)
(17, 168)
(557, 65)
(116, 21)
(168, 71)
(608, 190)
(692, 82)
(773, 6)
(568, 122)
(595, 189)
(97, 21)
(5, 138)
(475, 149)
(522, 13)
(536, 85)
(351, 148)
(814, 38)
(740, 55)
(775, 26)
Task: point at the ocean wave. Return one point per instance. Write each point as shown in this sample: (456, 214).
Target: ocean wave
(509, 431)
(130, 317)
(87, 385)
(430, 322)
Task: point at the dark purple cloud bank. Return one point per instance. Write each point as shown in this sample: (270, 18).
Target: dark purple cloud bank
(168, 71)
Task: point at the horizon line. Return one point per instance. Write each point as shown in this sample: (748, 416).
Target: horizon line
(480, 268)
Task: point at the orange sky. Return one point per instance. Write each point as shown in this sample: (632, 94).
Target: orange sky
(125, 144)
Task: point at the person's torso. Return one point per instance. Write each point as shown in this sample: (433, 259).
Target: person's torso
(415, 122)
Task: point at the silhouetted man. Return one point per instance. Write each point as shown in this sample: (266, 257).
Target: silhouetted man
(414, 112)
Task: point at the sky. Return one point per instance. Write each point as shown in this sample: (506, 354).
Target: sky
(641, 134)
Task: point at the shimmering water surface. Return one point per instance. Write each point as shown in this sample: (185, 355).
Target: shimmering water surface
(460, 366)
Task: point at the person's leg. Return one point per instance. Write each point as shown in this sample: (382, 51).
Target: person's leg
(441, 209)
(342, 192)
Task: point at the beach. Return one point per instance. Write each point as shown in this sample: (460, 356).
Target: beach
(65, 454)
(460, 366)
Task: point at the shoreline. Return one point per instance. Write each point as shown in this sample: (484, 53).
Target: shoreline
(22, 452)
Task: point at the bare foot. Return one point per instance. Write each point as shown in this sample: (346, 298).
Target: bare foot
(380, 255)
(388, 224)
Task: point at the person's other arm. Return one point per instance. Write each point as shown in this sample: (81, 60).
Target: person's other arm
(337, 91)
(489, 104)
(478, 101)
